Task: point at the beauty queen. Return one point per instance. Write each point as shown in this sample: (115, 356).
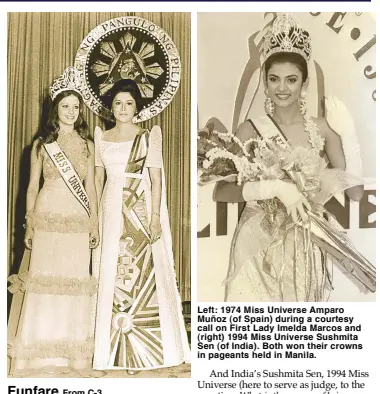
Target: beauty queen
(138, 320)
(286, 166)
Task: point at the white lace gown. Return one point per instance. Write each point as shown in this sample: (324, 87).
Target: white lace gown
(54, 329)
(120, 340)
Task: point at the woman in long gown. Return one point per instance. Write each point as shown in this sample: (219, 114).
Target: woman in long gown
(139, 323)
(54, 329)
(267, 262)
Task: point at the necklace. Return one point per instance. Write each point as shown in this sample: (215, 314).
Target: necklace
(315, 139)
(63, 131)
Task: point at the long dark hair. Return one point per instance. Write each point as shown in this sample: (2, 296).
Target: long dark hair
(287, 57)
(49, 133)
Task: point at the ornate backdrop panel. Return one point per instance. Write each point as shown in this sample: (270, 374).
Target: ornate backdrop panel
(40, 47)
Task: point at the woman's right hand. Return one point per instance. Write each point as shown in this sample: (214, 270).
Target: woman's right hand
(28, 237)
(294, 201)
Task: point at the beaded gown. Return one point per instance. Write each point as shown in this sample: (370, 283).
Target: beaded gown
(270, 266)
(139, 323)
(54, 327)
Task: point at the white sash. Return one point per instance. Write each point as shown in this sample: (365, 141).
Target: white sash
(68, 174)
(266, 127)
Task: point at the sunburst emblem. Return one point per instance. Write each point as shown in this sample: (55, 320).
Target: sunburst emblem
(129, 47)
(127, 64)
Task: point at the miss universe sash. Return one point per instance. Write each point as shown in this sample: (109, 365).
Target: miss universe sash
(266, 128)
(68, 173)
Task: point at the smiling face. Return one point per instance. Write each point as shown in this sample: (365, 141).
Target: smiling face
(124, 107)
(284, 84)
(68, 110)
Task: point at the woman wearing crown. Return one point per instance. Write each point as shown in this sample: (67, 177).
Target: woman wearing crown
(54, 330)
(139, 323)
(272, 258)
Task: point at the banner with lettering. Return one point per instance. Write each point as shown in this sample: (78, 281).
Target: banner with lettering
(68, 174)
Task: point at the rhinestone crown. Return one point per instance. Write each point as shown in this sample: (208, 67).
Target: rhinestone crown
(71, 79)
(285, 35)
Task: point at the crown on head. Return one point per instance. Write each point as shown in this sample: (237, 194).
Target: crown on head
(71, 79)
(285, 35)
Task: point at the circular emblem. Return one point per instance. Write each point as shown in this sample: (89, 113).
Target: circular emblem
(122, 321)
(129, 48)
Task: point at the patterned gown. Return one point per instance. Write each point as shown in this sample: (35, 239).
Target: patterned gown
(139, 324)
(54, 327)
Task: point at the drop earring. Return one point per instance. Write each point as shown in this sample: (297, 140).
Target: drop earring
(302, 103)
(269, 106)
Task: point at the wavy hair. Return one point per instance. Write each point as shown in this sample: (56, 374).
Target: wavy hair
(49, 133)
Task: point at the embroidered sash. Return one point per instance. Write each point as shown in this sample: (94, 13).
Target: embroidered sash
(134, 202)
(68, 174)
(266, 128)
(135, 336)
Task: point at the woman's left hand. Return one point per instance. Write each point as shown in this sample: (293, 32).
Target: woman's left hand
(338, 117)
(94, 238)
(155, 229)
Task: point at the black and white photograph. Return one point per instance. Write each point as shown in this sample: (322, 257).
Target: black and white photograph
(286, 157)
(98, 172)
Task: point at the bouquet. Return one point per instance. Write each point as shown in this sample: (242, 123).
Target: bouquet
(222, 156)
(219, 156)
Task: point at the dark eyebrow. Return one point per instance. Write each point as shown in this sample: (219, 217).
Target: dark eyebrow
(288, 76)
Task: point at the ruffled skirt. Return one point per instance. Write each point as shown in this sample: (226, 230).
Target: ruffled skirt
(54, 327)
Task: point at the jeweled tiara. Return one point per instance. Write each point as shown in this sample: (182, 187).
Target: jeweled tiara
(70, 80)
(285, 35)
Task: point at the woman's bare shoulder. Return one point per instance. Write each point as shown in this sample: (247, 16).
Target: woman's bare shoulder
(109, 132)
(323, 126)
(245, 131)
